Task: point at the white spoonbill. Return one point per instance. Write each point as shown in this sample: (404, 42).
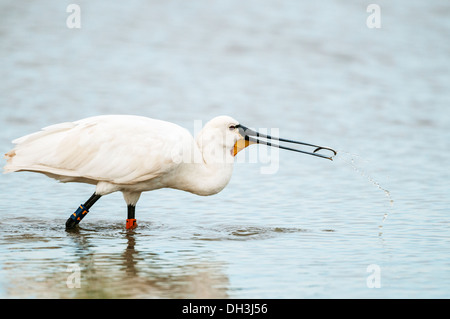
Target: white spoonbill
(133, 154)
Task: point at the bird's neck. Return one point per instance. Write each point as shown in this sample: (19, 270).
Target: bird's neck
(203, 179)
(208, 173)
(208, 179)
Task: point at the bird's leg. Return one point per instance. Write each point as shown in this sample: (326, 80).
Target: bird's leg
(82, 211)
(131, 221)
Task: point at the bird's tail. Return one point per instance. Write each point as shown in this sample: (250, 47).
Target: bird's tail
(9, 167)
(32, 148)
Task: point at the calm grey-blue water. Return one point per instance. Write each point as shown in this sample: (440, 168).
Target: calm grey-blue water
(373, 223)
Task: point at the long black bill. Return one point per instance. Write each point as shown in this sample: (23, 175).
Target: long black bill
(253, 137)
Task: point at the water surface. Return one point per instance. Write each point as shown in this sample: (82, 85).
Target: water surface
(312, 227)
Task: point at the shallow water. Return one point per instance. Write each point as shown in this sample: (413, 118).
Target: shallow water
(299, 227)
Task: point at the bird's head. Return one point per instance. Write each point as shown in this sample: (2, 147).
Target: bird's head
(223, 137)
(218, 138)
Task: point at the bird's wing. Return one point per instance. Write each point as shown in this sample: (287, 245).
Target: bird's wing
(116, 148)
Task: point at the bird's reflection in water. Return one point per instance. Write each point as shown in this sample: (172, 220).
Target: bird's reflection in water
(129, 255)
(143, 274)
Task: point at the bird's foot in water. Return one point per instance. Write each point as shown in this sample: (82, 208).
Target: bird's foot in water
(71, 224)
(76, 217)
(131, 223)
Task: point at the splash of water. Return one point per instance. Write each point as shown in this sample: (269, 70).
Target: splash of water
(355, 162)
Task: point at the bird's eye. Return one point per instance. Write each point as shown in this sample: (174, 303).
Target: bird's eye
(232, 127)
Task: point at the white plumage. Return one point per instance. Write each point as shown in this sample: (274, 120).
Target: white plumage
(131, 154)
